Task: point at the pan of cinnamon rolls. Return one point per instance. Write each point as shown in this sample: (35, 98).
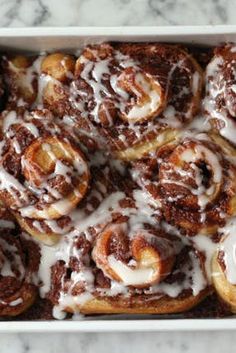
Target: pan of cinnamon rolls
(118, 181)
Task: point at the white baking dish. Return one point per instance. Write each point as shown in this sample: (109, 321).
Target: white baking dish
(40, 39)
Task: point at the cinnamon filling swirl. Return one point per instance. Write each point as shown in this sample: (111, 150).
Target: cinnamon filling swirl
(49, 175)
(194, 182)
(146, 260)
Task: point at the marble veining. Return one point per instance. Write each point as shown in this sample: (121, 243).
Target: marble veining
(118, 343)
(18, 13)
(24, 13)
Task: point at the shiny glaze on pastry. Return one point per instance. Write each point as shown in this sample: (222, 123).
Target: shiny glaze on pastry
(117, 180)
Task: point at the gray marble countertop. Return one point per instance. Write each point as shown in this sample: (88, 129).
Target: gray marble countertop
(21, 13)
(18, 13)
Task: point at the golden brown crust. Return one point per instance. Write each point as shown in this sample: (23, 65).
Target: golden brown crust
(58, 65)
(163, 305)
(224, 289)
(139, 150)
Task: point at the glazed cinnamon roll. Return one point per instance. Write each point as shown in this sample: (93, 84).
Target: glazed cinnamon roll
(151, 113)
(136, 270)
(220, 100)
(150, 261)
(193, 180)
(19, 261)
(123, 175)
(123, 96)
(44, 174)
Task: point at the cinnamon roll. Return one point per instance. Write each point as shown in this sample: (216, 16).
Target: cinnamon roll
(137, 270)
(151, 259)
(194, 181)
(44, 174)
(220, 99)
(19, 261)
(151, 115)
(126, 98)
(223, 266)
(117, 181)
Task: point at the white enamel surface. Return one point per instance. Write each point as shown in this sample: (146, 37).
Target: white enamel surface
(120, 324)
(56, 38)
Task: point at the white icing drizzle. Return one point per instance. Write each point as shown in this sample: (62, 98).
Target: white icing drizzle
(13, 186)
(16, 302)
(93, 73)
(144, 211)
(100, 216)
(19, 191)
(53, 225)
(38, 226)
(138, 112)
(128, 275)
(58, 313)
(48, 259)
(6, 265)
(192, 155)
(194, 279)
(96, 72)
(11, 118)
(62, 251)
